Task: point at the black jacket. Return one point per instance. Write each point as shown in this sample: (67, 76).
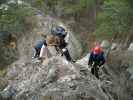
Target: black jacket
(99, 59)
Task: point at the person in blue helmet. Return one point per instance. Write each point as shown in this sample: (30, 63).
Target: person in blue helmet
(60, 33)
(37, 47)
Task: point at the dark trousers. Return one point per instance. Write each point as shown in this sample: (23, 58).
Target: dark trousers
(94, 70)
(67, 55)
(37, 52)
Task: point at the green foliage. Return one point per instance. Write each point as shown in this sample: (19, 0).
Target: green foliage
(37, 3)
(77, 6)
(12, 17)
(114, 17)
(2, 1)
(8, 55)
(67, 6)
(13, 20)
(2, 72)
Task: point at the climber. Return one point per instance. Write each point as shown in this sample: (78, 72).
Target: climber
(59, 31)
(51, 45)
(61, 47)
(38, 45)
(96, 60)
(60, 34)
(48, 49)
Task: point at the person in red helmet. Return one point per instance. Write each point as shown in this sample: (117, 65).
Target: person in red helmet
(96, 60)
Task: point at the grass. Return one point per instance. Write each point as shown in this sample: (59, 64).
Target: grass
(2, 72)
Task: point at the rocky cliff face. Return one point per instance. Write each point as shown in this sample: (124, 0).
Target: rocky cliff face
(55, 79)
(44, 25)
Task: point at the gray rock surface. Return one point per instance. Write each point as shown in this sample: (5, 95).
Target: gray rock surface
(44, 26)
(105, 44)
(130, 47)
(106, 47)
(114, 46)
(84, 61)
(56, 79)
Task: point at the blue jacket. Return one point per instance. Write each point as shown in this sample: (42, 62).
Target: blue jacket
(97, 58)
(39, 44)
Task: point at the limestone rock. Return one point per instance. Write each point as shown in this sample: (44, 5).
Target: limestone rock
(57, 79)
(130, 47)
